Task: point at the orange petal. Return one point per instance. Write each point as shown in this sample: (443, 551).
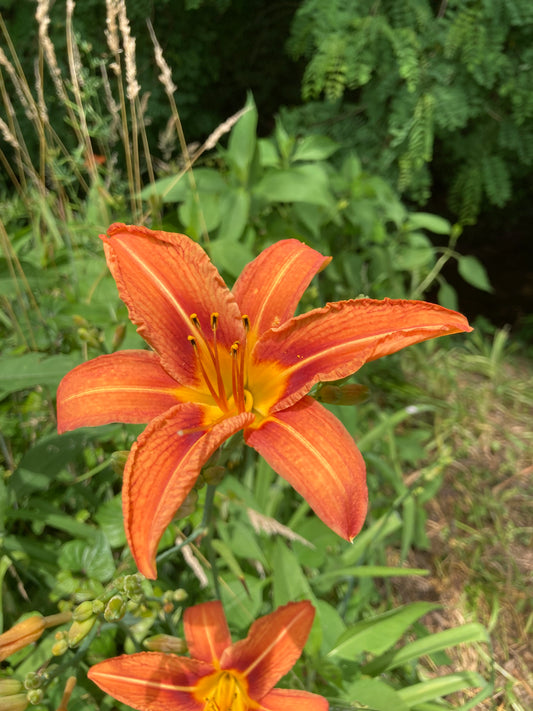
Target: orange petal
(161, 469)
(163, 278)
(269, 288)
(289, 700)
(312, 450)
(206, 631)
(335, 341)
(151, 681)
(128, 386)
(272, 647)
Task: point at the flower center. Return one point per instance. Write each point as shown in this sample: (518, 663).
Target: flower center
(224, 374)
(224, 691)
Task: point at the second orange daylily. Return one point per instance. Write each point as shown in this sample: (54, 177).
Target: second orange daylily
(219, 676)
(224, 361)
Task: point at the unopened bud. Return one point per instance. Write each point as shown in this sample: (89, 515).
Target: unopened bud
(83, 611)
(35, 696)
(118, 336)
(118, 461)
(133, 585)
(115, 609)
(8, 687)
(165, 643)
(188, 506)
(347, 394)
(21, 635)
(17, 702)
(98, 607)
(60, 647)
(214, 475)
(32, 680)
(179, 595)
(79, 630)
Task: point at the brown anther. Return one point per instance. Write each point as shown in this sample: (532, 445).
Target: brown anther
(195, 320)
(192, 341)
(235, 348)
(214, 320)
(246, 322)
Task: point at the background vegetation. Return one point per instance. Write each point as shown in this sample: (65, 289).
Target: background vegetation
(94, 130)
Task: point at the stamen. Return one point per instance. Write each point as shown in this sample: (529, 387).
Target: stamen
(195, 321)
(237, 382)
(219, 398)
(246, 322)
(216, 363)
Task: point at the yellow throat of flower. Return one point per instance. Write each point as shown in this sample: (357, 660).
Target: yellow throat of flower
(224, 691)
(232, 382)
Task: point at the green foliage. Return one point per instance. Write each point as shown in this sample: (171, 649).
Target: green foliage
(260, 190)
(413, 78)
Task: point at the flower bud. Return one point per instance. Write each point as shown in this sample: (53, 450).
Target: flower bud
(83, 611)
(118, 461)
(79, 630)
(8, 687)
(17, 702)
(214, 475)
(179, 595)
(32, 680)
(188, 506)
(98, 607)
(35, 696)
(118, 336)
(60, 647)
(115, 609)
(165, 643)
(347, 394)
(133, 585)
(21, 635)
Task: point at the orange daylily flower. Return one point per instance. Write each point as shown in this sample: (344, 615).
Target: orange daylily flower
(224, 361)
(219, 676)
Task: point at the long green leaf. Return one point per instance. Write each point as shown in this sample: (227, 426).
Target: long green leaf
(472, 632)
(442, 686)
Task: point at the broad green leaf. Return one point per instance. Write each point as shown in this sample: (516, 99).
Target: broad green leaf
(29, 370)
(379, 633)
(306, 183)
(416, 254)
(331, 624)
(441, 686)
(242, 143)
(428, 221)
(314, 147)
(242, 601)
(230, 257)
(268, 153)
(45, 514)
(289, 580)
(175, 188)
(94, 559)
(235, 210)
(472, 632)
(473, 272)
(447, 296)
(109, 517)
(376, 694)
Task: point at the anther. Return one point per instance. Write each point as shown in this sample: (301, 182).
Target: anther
(214, 321)
(192, 341)
(195, 320)
(246, 322)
